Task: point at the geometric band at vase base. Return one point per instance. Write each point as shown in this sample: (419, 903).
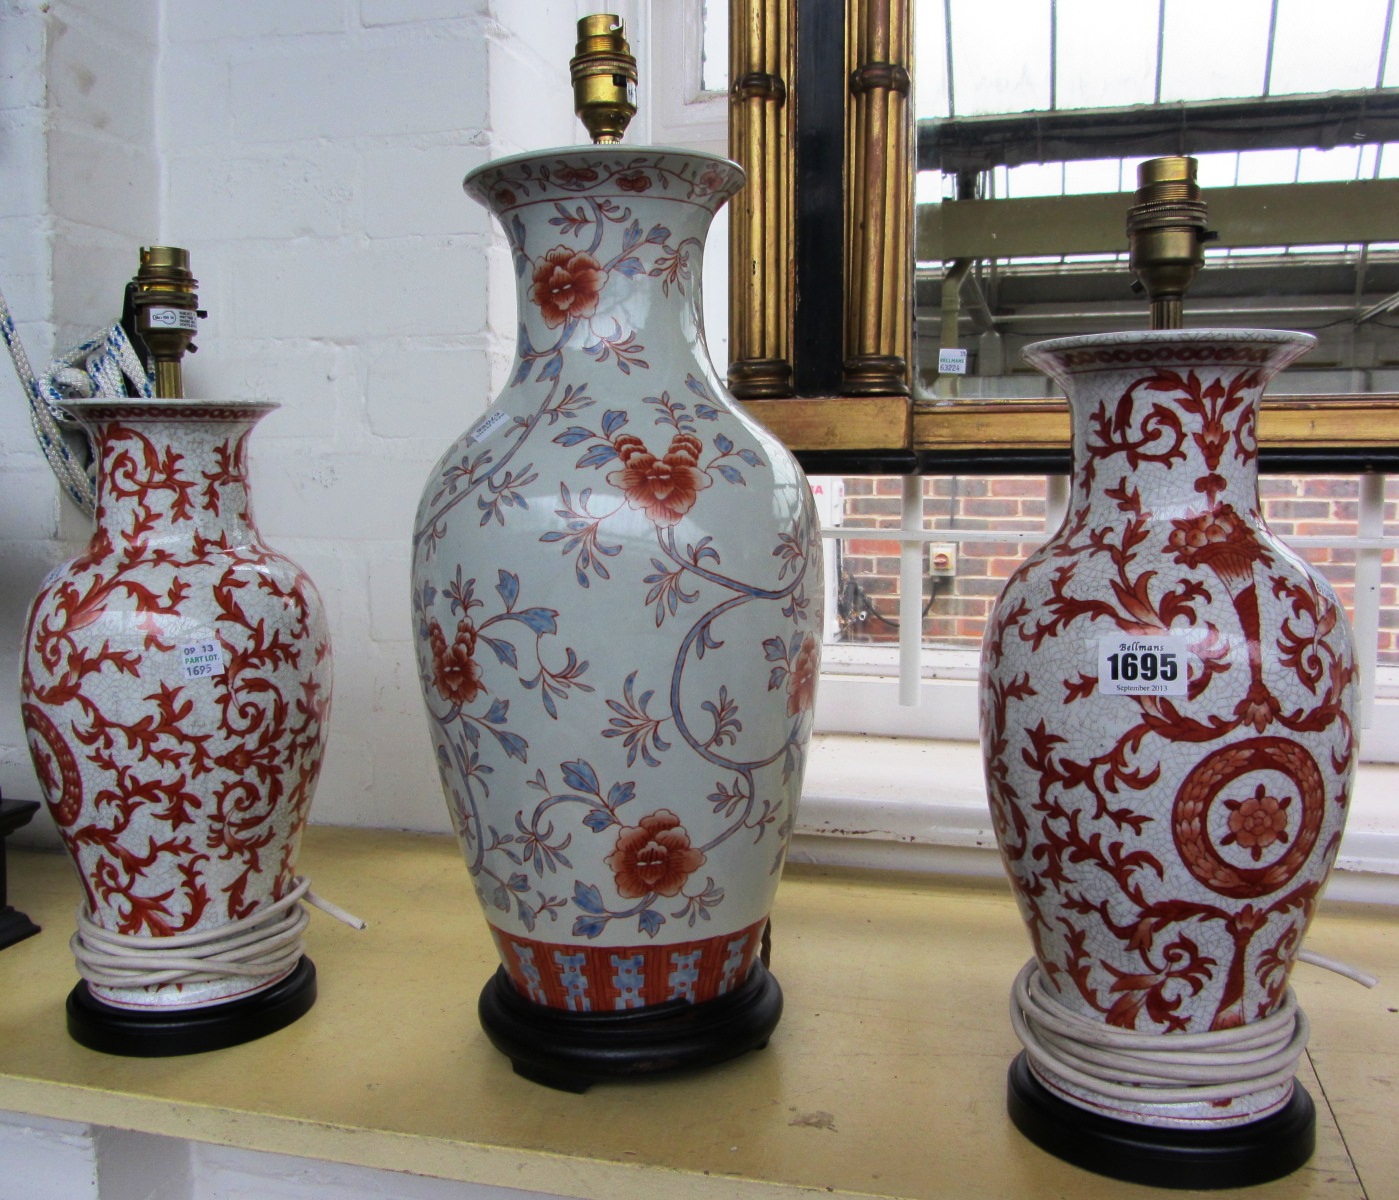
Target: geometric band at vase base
(1235, 1156)
(572, 1050)
(165, 1032)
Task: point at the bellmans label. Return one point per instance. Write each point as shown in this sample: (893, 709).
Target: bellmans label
(1143, 666)
(201, 660)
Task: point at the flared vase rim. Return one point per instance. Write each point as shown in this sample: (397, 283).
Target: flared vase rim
(95, 407)
(1152, 337)
(473, 186)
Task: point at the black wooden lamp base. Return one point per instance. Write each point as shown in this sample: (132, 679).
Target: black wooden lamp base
(1237, 1156)
(164, 1033)
(571, 1051)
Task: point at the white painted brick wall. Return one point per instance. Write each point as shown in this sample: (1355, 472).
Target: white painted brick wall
(310, 157)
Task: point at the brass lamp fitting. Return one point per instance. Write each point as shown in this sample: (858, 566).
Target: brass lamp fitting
(604, 78)
(166, 308)
(1166, 233)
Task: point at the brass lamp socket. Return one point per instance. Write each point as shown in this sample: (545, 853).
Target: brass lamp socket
(604, 78)
(1166, 234)
(166, 311)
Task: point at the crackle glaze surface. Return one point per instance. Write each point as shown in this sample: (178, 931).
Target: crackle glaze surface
(176, 687)
(616, 584)
(1168, 838)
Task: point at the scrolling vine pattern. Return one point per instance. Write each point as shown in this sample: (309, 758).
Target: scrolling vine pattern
(1170, 857)
(180, 798)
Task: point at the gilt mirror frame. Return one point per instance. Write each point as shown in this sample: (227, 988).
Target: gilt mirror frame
(822, 245)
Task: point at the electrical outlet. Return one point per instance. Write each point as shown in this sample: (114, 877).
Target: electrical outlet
(942, 559)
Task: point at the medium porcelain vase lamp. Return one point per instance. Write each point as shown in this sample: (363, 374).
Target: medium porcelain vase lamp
(1168, 698)
(616, 588)
(175, 694)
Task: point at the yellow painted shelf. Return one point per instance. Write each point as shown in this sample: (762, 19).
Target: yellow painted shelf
(885, 1077)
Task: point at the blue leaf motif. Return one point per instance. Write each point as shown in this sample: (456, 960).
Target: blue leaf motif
(775, 649)
(519, 882)
(597, 456)
(588, 898)
(580, 776)
(551, 369)
(573, 435)
(629, 267)
(508, 588)
(497, 713)
(732, 474)
(658, 234)
(705, 413)
(504, 651)
(649, 921)
(589, 927)
(599, 819)
(513, 744)
(541, 620)
(612, 420)
(776, 678)
(722, 444)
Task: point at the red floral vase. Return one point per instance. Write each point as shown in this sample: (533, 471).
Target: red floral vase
(1167, 720)
(176, 688)
(616, 583)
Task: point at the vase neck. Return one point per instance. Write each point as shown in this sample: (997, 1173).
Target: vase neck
(1182, 449)
(608, 248)
(168, 473)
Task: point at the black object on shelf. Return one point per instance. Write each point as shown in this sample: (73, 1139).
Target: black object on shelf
(572, 1050)
(14, 925)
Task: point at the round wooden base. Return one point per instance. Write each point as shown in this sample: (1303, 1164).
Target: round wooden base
(162, 1033)
(1236, 1156)
(572, 1050)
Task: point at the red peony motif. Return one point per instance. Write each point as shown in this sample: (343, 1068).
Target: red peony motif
(665, 489)
(568, 174)
(654, 856)
(711, 179)
(801, 683)
(1219, 540)
(1256, 823)
(566, 285)
(504, 196)
(634, 181)
(455, 672)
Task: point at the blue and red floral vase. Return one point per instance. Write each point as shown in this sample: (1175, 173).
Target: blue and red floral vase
(616, 587)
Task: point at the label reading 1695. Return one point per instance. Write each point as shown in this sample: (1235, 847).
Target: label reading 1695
(1143, 666)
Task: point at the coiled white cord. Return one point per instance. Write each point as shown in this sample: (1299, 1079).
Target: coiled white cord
(1152, 1068)
(263, 945)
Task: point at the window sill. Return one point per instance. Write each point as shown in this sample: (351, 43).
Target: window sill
(885, 1078)
(906, 804)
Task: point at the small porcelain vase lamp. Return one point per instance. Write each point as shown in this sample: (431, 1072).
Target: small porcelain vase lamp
(616, 584)
(176, 688)
(1167, 719)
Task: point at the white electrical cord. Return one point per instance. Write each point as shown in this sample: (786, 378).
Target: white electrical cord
(1153, 1068)
(98, 367)
(266, 944)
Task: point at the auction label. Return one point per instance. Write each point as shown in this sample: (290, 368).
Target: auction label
(1143, 666)
(201, 660)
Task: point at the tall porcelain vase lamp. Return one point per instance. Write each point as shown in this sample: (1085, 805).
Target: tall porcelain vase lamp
(616, 590)
(175, 692)
(1167, 708)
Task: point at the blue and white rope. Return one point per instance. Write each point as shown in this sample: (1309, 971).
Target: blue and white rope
(98, 367)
